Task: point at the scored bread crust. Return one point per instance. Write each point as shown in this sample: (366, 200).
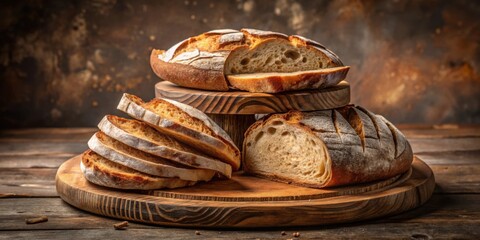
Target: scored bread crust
(144, 162)
(359, 146)
(200, 61)
(103, 172)
(280, 82)
(216, 144)
(175, 151)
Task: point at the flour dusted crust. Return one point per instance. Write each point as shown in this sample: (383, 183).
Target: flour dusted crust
(345, 146)
(135, 159)
(103, 172)
(204, 61)
(147, 139)
(203, 134)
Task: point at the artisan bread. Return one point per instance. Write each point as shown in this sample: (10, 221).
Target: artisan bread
(140, 136)
(326, 148)
(103, 172)
(120, 153)
(217, 59)
(184, 123)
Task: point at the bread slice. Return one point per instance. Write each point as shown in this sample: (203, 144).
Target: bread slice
(139, 135)
(274, 82)
(186, 124)
(326, 148)
(144, 162)
(206, 61)
(103, 172)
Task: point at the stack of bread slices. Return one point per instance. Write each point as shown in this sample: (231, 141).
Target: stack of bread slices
(167, 145)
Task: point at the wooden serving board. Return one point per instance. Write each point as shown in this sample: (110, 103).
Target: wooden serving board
(234, 111)
(246, 201)
(241, 103)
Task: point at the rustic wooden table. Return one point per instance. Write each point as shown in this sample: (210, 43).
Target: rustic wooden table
(29, 159)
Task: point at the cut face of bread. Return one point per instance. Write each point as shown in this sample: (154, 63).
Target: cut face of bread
(144, 162)
(275, 55)
(139, 135)
(326, 148)
(206, 61)
(284, 152)
(104, 172)
(186, 124)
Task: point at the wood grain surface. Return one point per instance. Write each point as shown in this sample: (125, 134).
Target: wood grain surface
(238, 102)
(238, 205)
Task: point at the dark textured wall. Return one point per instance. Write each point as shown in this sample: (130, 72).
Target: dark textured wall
(66, 63)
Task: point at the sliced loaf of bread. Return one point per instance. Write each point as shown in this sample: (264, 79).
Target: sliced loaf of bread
(104, 172)
(326, 148)
(144, 162)
(140, 135)
(186, 124)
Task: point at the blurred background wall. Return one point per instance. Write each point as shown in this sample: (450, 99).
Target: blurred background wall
(66, 63)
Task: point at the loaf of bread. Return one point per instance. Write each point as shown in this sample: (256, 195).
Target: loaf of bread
(127, 156)
(104, 172)
(326, 148)
(140, 136)
(219, 59)
(185, 123)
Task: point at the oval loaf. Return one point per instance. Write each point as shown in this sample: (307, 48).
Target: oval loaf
(219, 59)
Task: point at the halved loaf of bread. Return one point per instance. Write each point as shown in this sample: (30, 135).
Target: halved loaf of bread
(203, 61)
(144, 162)
(326, 148)
(139, 135)
(104, 172)
(186, 124)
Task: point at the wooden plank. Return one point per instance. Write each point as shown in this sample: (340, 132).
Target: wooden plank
(47, 134)
(44, 160)
(420, 145)
(439, 131)
(454, 157)
(33, 148)
(28, 182)
(440, 210)
(457, 178)
(375, 231)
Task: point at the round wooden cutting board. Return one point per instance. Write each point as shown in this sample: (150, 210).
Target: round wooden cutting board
(234, 111)
(246, 201)
(241, 103)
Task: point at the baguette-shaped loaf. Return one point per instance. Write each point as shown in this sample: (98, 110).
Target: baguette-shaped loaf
(103, 172)
(326, 148)
(203, 61)
(120, 153)
(139, 135)
(186, 124)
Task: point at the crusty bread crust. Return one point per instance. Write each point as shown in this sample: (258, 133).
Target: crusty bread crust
(187, 76)
(199, 62)
(110, 176)
(280, 82)
(182, 154)
(144, 162)
(361, 146)
(216, 144)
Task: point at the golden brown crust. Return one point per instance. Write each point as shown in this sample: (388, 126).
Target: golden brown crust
(198, 62)
(187, 76)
